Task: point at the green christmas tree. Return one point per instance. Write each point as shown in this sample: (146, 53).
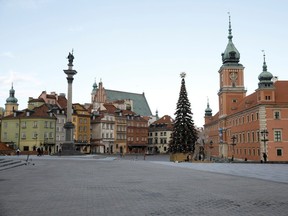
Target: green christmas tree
(184, 133)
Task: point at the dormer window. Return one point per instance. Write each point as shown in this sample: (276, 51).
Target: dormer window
(232, 55)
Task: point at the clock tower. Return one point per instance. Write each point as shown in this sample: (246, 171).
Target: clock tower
(231, 76)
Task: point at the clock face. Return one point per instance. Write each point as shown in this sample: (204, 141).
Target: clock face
(233, 76)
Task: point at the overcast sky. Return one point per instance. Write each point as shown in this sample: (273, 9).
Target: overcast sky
(137, 46)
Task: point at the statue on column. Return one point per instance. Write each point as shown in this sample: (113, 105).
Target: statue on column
(70, 58)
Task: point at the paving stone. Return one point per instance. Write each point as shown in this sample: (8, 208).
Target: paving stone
(90, 185)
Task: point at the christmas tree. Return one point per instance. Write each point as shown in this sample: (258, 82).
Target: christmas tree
(184, 133)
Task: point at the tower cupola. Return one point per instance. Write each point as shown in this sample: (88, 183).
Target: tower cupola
(265, 77)
(208, 110)
(94, 86)
(231, 55)
(11, 98)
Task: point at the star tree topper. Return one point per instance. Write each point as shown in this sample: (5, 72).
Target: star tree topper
(182, 75)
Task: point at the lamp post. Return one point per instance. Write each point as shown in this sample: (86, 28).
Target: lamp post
(211, 147)
(233, 145)
(264, 134)
(36, 136)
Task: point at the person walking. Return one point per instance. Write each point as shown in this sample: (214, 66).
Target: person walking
(265, 157)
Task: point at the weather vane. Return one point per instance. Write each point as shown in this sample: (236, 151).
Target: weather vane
(263, 54)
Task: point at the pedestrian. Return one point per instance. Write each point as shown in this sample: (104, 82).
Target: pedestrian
(60, 151)
(50, 150)
(265, 157)
(18, 151)
(38, 152)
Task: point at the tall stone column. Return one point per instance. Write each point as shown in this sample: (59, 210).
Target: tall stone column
(68, 145)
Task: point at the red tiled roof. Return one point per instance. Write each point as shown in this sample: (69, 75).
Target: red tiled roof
(38, 112)
(62, 101)
(110, 107)
(166, 119)
(247, 102)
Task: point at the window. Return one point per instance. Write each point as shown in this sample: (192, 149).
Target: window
(267, 97)
(46, 124)
(35, 124)
(23, 124)
(279, 152)
(277, 136)
(23, 136)
(35, 135)
(276, 115)
(25, 148)
(5, 124)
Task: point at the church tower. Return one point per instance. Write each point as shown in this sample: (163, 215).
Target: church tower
(231, 76)
(94, 90)
(11, 103)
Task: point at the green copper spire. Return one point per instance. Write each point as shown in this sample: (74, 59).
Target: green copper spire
(231, 55)
(230, 30)
(94, 87)
(208, 110)
(11, 98)
(265, 76)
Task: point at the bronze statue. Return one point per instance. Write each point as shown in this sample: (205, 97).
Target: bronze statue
(70, 58)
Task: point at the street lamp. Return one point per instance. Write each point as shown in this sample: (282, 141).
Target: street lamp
(233, 145)
(36, 136)
(211, 147)
(264, 134)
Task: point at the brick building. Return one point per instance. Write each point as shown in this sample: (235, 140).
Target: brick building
(248, 127)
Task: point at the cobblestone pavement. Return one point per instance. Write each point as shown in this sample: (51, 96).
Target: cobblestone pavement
(112, 186)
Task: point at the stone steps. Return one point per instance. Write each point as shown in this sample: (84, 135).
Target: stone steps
(10, 163)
